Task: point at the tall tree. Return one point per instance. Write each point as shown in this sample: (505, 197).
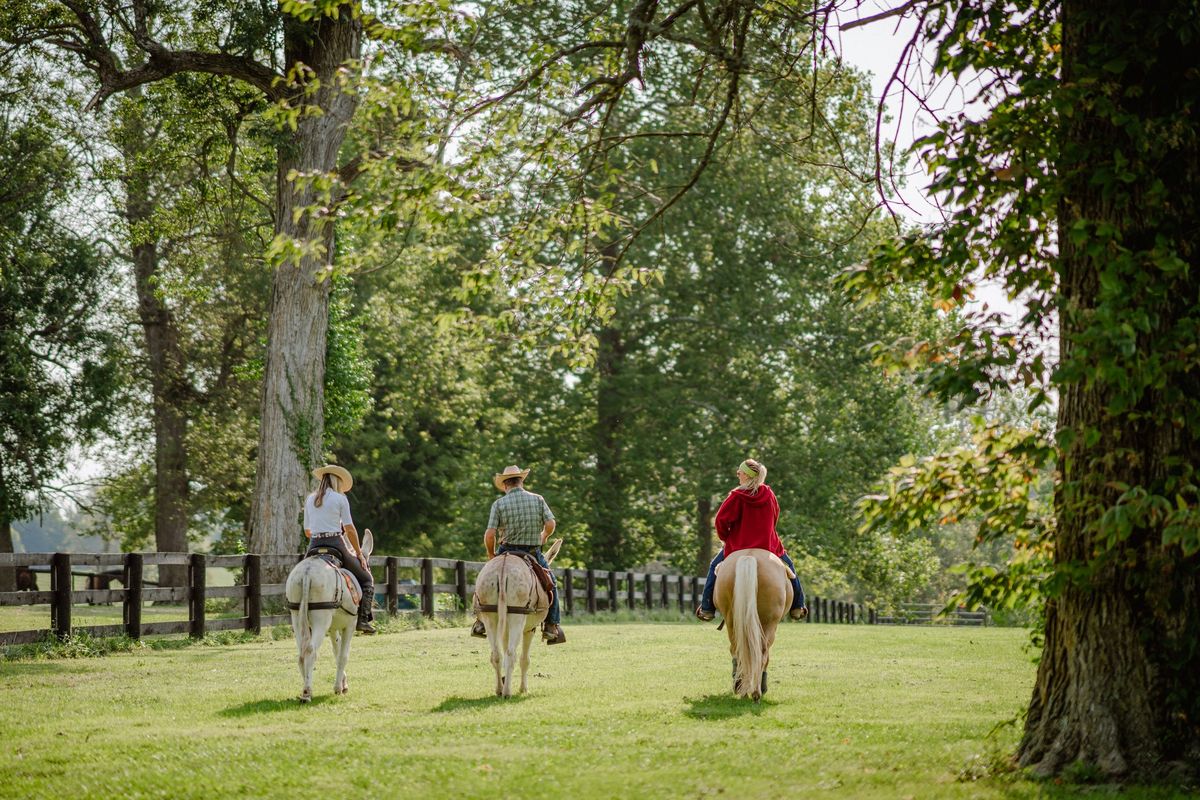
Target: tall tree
(1078, 189)
(305, 57)
(58, 366)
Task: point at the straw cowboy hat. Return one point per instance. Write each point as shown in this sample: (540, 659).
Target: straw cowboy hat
(341, 473)
(511, 471)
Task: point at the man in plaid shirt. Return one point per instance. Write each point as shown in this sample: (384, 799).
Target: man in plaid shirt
(521, 520)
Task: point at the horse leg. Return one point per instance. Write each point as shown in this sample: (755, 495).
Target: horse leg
(526, 640)
(512, 638)
(494, 642)
(318, 626)
(341, 649)
(301, 645)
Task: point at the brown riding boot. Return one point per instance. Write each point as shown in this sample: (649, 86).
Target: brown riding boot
(478, 631)
(553, 633)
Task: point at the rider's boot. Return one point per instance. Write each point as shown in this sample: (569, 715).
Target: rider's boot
(704, 613)
(552, 632)
(477, 630)
(364, 619)
(799, 612)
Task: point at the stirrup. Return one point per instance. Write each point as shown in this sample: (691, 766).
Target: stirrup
(553, 634)
(365, 626)
(478, 631)
(707, 616)
(799, 612)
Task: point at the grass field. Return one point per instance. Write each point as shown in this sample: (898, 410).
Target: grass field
(621, 710)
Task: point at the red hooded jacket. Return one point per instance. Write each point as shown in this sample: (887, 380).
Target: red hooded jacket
(744, 521)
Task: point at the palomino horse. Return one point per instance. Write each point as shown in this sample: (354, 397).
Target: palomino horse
(752, 595)
(507, 584)
(323, 601)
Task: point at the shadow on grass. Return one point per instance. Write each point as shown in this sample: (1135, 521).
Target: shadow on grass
(725, 706)
(271, 706)
(458, 703)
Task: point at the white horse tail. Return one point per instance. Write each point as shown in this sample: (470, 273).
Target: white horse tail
(305, 626)
(747, 628)
(502, 605)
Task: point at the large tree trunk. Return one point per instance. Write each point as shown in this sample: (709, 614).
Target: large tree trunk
(704, 534)
(164, 356)
(293, 406)
(8, 575)
(608, 493)
(1118, 686)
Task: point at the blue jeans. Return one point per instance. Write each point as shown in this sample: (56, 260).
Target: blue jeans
(552, 614)
(710, 583)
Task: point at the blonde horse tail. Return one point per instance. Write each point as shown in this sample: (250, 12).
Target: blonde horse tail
(748, 631)
(305, 627)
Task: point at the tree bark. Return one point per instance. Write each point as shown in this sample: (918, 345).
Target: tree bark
(704, 534)
(292, 405)
(608, 494)
(609, 516)
(1118, 685)
(8, 575)
(165, 358)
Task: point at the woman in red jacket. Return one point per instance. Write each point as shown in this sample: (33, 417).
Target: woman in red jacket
(747, 520)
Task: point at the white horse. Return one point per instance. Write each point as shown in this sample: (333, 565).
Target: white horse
(507, 585)
(752, 596)
(322, 602)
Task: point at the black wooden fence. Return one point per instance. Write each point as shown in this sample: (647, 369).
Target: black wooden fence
(589, 591)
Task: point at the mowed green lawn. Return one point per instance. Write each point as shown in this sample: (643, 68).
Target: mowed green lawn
(621, 710)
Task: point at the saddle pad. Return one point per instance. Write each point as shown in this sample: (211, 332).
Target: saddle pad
(355, 591)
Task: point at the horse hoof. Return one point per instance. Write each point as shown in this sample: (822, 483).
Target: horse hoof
(306, 698)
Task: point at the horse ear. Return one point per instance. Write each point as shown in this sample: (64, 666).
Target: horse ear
(553, 551)
(368, 543)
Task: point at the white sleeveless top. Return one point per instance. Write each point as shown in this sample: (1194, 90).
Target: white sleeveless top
(333, 513)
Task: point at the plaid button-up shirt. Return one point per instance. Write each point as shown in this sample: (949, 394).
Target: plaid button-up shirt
(519, 517)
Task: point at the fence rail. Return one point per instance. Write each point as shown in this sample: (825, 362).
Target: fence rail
(590, 591)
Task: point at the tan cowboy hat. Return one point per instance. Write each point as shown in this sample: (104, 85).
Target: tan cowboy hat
(341, 473)
(511, 471)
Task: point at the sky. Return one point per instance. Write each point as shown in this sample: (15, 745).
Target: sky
(876, 48)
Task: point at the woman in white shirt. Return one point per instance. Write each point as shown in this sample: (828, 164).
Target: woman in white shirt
(327, 523)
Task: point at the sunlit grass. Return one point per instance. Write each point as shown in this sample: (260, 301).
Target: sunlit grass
(620, 710)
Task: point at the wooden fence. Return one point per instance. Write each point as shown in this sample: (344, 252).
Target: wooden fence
(931, 614)
(589, 591)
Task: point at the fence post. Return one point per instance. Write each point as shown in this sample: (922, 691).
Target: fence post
(630, 591)
(252, 577)
(197, 573)
(460, 583)
(679, 592)
(649, 591)
(612, 591)
(695, 593)
(427, 586)
(61, 585)
(390, 570)
(591, 591)
(133, 595)
(665, 591)
(568, 590)
(871, 617)
(853, 614)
